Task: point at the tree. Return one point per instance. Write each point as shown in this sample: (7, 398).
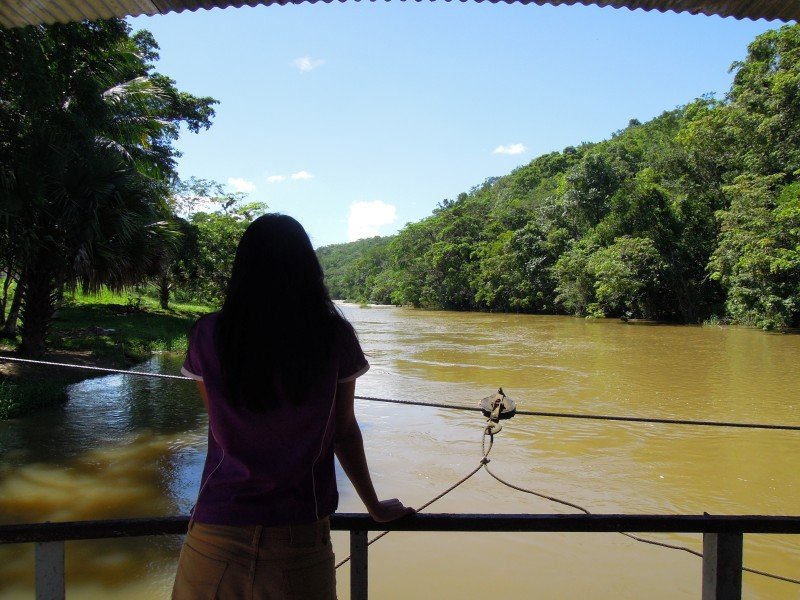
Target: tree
(590, 185)
(180, 263)
(758, 257)
(765, 102)
(218, 234)
(216, 219)
(574, 284)
(85, 159)
(627, 278)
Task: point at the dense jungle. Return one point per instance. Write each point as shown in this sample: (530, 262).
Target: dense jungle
(692, 216)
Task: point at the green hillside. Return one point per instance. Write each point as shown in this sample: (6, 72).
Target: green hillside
(690, 216)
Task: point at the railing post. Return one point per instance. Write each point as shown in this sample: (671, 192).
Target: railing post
(722, 566)
(359, 581)
(49, 558)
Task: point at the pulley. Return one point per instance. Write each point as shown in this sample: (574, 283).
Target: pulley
(498, 407)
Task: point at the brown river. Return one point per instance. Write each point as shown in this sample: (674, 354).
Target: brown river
(128, 446)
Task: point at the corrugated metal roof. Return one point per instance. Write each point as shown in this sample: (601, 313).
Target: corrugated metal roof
(16, 13)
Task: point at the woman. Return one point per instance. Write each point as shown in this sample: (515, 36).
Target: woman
(276, 369)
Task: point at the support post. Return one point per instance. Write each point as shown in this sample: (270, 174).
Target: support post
(49, 557)
(359, 581)
(722, 566)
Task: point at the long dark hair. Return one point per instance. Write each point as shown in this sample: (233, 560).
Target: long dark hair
(278, 323)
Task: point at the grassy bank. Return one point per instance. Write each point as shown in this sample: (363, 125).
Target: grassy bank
(109, 330)
(122, 329)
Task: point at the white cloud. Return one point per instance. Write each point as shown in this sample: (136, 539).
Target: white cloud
(302, 175)
(275, 178)
(510, 149)
(366, 217)
(239, 184)
(306, 63)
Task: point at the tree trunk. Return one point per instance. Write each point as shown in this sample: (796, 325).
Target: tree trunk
(163, 291)
(4, 299)
(37, 309)
(10, 327)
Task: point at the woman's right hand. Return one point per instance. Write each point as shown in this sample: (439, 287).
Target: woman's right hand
(389, 510)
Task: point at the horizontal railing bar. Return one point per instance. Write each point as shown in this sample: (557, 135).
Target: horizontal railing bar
(84, 530)
(92, 530)
(576, 523)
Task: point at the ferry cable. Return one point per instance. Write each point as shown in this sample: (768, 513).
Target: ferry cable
(530, 413)
(48, 363)
(562, 415)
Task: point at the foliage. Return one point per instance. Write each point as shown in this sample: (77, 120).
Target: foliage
(199, 265)
(626, 277)
(349, 266)
(86, 156)
(18, 398)
(758, 257)
(693, 216)
(115, 329)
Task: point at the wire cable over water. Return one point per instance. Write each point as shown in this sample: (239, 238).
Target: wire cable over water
(563, 415)
(530, 413)
(29, 361)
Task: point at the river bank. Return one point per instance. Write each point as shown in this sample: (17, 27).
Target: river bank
(104, 330)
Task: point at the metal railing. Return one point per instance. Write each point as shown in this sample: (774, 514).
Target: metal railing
(722, 539)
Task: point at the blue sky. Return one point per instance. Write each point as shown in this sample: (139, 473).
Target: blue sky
(357, 118)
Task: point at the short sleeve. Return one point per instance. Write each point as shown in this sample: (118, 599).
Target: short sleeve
(352, 362)
(191, 366)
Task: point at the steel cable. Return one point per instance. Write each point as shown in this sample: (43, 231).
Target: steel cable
(562, 415)
(48, 363)
(531, 413)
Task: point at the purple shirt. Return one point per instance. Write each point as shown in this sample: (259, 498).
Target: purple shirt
(276, 467)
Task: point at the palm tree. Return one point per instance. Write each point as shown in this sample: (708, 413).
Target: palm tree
(87, 160)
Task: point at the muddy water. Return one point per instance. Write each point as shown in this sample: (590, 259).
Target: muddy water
(133, 447)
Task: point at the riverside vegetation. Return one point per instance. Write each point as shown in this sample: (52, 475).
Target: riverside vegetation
(104, 329)
(693, 216)
(90, 201)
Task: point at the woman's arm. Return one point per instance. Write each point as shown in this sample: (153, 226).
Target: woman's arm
(349, 448)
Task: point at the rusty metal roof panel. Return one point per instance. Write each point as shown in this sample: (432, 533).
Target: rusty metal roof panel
(17, 13)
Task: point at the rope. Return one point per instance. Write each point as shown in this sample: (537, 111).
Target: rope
(482, 464)
(630, 535)
(531, 413)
